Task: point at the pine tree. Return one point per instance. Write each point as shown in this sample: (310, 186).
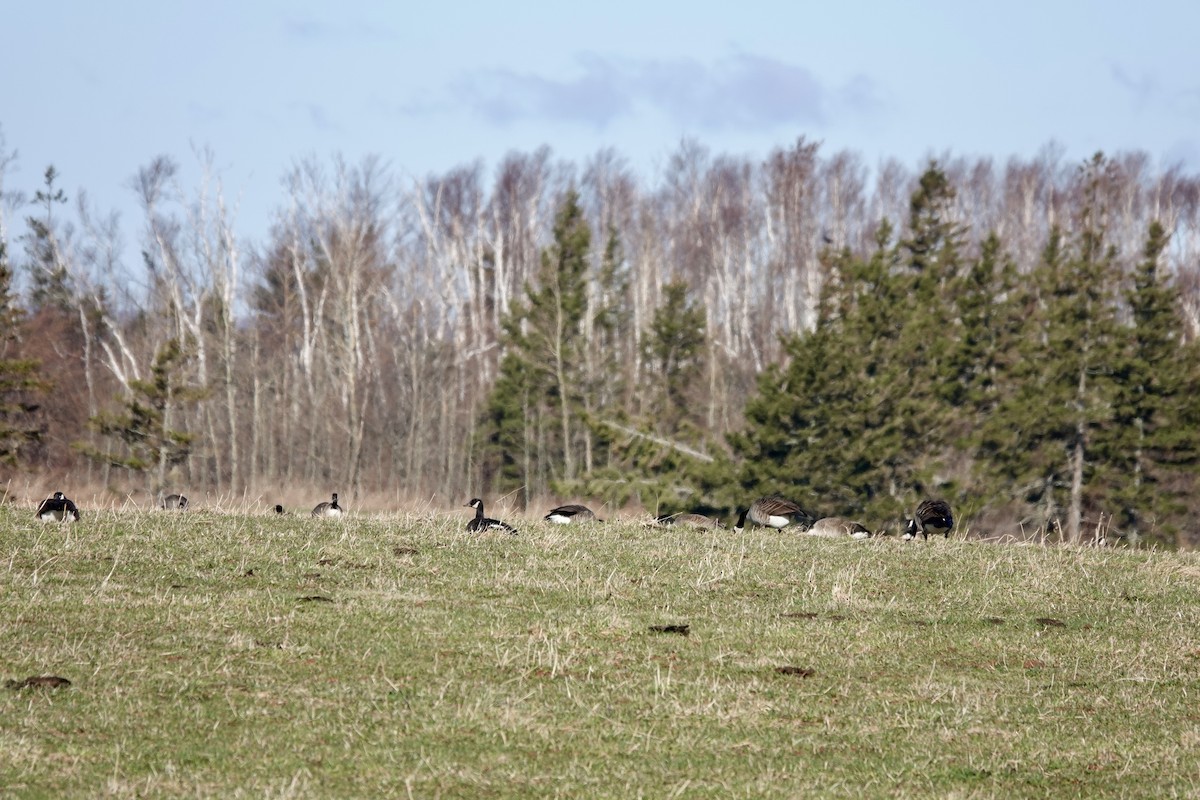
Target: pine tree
(1048, 437)
(674, 351)
(21, 385)
(532, 431)
(824, 429)
(808, 430)
(1154, 445)
(48, 272)
(657, 459)
(923, 359)
(148, 442)
(990, 321)
(608, 361)
(993, 312)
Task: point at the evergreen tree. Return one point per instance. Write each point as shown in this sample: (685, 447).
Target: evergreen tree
(1154, 443)
(657, 459)
(1047, 438)
(674, 353)
(533, 430)
(48, 272)
(825, 428)
(148, 442)
(866, 416)
(608, 363)
(993, 311)
(923, 359)
(21, 385)
(809, 429)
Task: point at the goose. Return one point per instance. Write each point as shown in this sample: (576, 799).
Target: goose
(174, 501)
(482, 523)
(572, 512)
(775, 512)
(330, 509)
(58, 508)
(839, 526)
(932, 516)
(278, 509)
(690, 521)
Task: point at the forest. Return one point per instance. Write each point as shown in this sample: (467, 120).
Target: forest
(1018, 338)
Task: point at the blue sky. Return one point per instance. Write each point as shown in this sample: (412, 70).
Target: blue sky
(100, 89)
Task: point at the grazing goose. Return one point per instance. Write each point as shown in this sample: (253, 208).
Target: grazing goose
(482, 523)
(775, 512)
(174, 502)
(571, 513)
(58, 508)
(690, 521)
(330, 509)
(932, 516)
(839, 526)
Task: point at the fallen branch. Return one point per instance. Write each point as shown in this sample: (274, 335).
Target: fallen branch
(682, 448)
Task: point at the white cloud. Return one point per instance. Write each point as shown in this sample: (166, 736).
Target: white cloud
(740, 92)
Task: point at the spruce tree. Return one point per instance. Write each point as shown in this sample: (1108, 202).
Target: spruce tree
(532, 431)
(1048, 437)
(608, 359)
(923, 359)
(1154, 444)
(143, 430)
(21, 384)
(674, 352)
(823, 429)
(658, 458)
(993, 311)
(48, 272)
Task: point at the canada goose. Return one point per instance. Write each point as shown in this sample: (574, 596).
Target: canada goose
(571, 513)
(278, 509)
(482, 523)
(174, 501)
(330, 509)
(57, 507)
(839, 526)
(690, 521)
(932, 516)
(775, 512)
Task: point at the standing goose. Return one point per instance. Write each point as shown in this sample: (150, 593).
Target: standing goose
(58, 508)
(837, 527)
(932, 516)
(330, 509)
(775, 512)
(482, 523)
(174, 502)
(570, 513)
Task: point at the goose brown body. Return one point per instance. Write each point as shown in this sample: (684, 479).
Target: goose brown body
(775, 512)
(838, 527)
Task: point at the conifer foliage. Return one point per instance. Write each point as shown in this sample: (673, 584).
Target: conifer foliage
(1056, 395)
(21, 384)
(532, 430)
(142, 434)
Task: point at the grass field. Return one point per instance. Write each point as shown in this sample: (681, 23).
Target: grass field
(217, 655)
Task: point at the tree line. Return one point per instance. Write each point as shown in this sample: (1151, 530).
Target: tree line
(1016, 337)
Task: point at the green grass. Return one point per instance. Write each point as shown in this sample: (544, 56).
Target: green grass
(236, 656)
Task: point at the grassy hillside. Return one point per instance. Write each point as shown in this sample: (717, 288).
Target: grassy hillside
(241, 656)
